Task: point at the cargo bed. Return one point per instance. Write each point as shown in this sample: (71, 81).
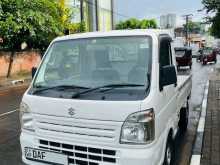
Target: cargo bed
(184, 85)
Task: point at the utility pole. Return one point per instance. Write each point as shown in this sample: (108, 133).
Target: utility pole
(81, 12)
(187, 18)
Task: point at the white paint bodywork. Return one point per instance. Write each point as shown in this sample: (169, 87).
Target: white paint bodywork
(106, 117)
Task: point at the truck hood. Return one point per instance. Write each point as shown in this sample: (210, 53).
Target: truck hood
(82, 109)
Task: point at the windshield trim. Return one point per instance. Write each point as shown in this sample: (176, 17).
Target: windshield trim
(99, 37)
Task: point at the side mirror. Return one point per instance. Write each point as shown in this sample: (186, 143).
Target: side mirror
(33, 71)
(167, 76)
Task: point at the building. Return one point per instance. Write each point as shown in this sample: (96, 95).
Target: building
(168, 21)
(97, 14)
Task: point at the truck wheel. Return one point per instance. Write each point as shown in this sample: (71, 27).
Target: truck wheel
(184, 119)
(169, 153)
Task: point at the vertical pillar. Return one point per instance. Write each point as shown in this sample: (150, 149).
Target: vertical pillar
(92, 7)
(112, 12)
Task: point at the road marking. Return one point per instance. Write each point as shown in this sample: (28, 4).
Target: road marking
(8, 113)
(195, 160)
(201, 125)
(197, 149)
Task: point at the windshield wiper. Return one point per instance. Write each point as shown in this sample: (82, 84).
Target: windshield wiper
(106, 86)
(43, 88)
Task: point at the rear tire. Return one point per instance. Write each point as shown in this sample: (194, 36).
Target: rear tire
(184, 118)
(169, 152)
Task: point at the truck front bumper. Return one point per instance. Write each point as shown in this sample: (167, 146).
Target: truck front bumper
(147, 156)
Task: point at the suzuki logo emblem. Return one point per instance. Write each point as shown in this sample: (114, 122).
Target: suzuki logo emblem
(71, 112)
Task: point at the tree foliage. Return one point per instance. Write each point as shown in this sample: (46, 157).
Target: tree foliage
(35, 22)
(215, 28)
(194, 27)
(213, 6)
(137, 24)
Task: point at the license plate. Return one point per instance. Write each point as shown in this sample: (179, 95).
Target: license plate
(45, 156)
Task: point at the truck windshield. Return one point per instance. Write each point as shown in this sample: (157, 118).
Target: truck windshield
(179, 52)
(95, 62)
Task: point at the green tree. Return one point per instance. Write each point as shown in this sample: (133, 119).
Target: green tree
(213, 6)
(137, 24)
(35, 22)
(194, 27)
(215, 28)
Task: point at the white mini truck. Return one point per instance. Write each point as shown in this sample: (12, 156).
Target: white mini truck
(105, 98)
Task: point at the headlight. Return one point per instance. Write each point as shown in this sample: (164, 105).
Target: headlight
(26, 118)
(138, 128)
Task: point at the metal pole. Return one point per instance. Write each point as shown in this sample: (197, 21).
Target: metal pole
(81, 11)
(112, 12)
(187, 29)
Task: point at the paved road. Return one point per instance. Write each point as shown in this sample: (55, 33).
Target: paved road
(10, 127)
(9, 124)
(184, 143)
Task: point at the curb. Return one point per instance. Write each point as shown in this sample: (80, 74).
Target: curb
(197, 149)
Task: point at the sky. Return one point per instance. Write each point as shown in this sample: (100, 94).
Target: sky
(125, 9)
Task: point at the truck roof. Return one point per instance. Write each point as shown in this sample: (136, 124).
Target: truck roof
(149, 32)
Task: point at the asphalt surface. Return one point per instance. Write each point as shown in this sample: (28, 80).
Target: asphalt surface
(9, 126)
(10, 153)
(184, 143)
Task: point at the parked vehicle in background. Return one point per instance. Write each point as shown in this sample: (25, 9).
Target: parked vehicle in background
(199, 57)
(183, 57)
(195, 49)
(217, 50)
(105, 98)
(208, 55)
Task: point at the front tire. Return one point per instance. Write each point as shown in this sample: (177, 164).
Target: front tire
(169, 153)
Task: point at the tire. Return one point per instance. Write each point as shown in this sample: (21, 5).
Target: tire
(184, 119)
(169, 152)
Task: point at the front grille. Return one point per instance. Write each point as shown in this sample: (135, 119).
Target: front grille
(81, 155)
(85, 130)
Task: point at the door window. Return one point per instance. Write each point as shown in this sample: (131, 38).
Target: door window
(165, 53)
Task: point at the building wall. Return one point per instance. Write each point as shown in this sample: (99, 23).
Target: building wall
(97, 14)
(23, 61)
(75, 5)
(168, 21)
(105, 15)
